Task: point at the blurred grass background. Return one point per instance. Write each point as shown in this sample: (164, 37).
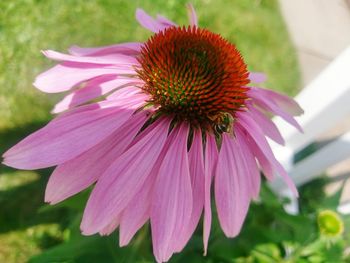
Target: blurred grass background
(28, 26)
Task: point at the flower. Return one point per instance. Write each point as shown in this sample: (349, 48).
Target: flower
(173, 116)
(330, 223)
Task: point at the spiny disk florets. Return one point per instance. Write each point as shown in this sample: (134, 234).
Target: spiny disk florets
(194, 75)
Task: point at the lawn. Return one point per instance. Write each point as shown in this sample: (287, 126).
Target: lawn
(28, 26)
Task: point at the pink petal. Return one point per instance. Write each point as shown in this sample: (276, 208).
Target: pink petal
(196, 164)
(248, 161)
(211, 157)
(286, 103)
(125, 92)
(266, 124)
(72, 111)
(109, 229)
(94, 88)
(131, 49)
(134, 98)
(117, 59)
(231, 188)
(257, 77)
(67, 137)
(137, 212)
(192, 15)
(123, 179)
(256, 134)
(166, 22)
(265, 164)
(265, 101)
(148, 22)
(99, 105)
(172, 201)
(79, 173)
(91, 89)
(64, 76)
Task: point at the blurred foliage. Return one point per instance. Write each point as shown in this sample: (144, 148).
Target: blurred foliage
(269, 235)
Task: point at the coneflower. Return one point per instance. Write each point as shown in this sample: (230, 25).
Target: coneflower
(174, 115)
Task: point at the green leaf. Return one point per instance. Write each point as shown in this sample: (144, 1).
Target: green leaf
(267, 253)
(269, 198)
(332, 201)
(316, 259)
(312, 248)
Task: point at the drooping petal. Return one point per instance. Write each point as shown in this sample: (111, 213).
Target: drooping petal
(257, 77)
(109, 229)
(231, 188)
(123, 179)
(256, 134)
(82, 94)
(246, 185)
(130, 49)
(248, 161)
(192, 15)
(259, 97)
(139, 209)
(165, 21)
(196, 164)
(264, 163)
(67, 137)
(267, 125)
(287, 104)
(137, 212)
(211, 156)
(148, 22)
(64, 76)
(111, 59)
(172, 201)
(127, 92)
(79, 173)
(116, 102)
(93, 89)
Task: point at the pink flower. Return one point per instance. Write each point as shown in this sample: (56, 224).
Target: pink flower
(174, 115)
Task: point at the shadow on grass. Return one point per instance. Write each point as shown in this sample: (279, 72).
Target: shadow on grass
(20, 204)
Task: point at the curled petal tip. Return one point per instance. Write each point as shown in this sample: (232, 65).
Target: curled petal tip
(50, 200)
(9, 159)
(35, 84)
(45, 52)
(85, 232)
(72, 49)
(122, 243)
(4, 162)
(139, 12)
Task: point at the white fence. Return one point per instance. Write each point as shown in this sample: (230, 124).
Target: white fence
(326, 102)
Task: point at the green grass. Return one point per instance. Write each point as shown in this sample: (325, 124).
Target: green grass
(28, 26)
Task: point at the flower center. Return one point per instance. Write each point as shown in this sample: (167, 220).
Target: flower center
(194, 75)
